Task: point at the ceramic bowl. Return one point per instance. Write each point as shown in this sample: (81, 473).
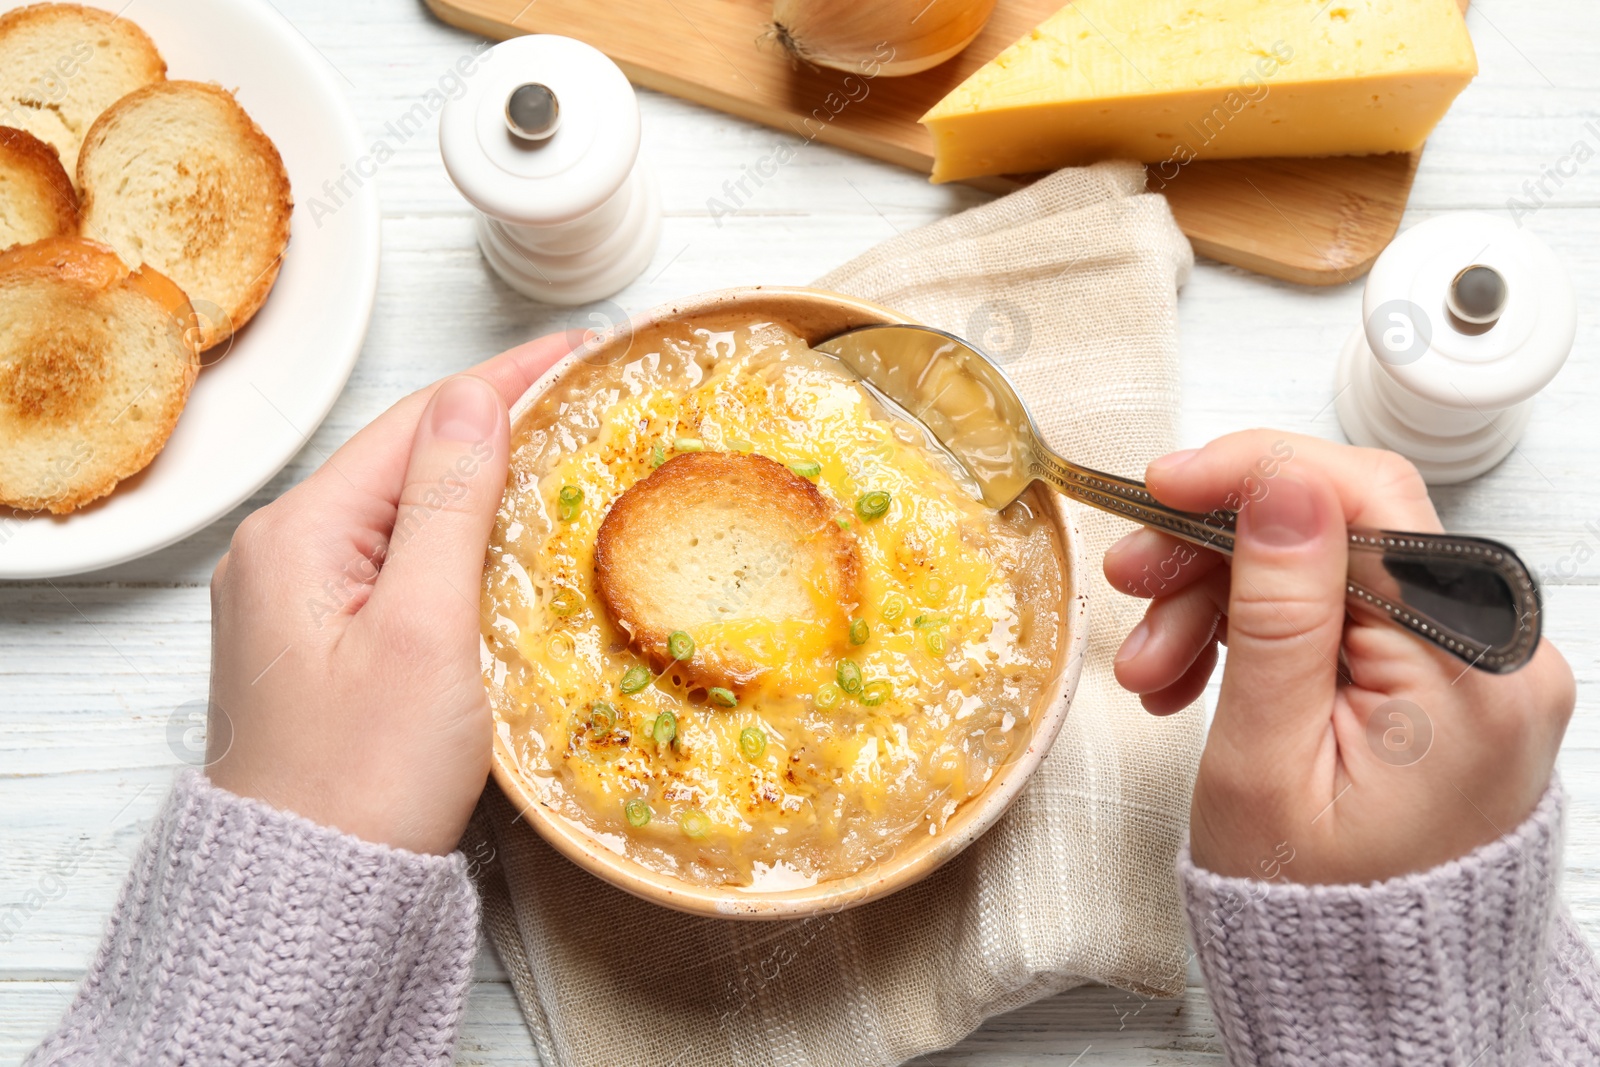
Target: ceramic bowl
(814, 315)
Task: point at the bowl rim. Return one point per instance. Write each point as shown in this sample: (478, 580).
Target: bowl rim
(903, 867)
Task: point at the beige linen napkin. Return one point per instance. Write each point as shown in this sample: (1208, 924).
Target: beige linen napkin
(1073, 283)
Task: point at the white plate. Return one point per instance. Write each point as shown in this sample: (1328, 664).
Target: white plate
(250, 413)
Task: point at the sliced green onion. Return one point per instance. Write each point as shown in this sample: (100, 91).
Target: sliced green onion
(634, 679)
(752, 742)
(602, 717)
(665, 729)
(924, 622)
(872, 505)
(827, 695)
(723, 698)
(848, 673)
(934, 587)
(568, 501)
(637, 812)
(935, 641)
(844, 524)
(859, 632)
(894, 606)
(806, 469)
(739, 444)
(875, 693)
(565, 600)
(680, 645)
(688, 444)
(695, 823)
(658, 456)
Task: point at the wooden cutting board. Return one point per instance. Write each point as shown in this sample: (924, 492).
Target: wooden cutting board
(1314, 221)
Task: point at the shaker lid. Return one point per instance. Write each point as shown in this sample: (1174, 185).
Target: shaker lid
(547, 131)
(1468, 309)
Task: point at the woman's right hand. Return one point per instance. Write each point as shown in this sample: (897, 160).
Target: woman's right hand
(1400, 761)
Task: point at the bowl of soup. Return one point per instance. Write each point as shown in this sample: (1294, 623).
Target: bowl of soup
(754, 647)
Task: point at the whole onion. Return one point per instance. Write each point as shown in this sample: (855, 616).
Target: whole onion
(878, 37)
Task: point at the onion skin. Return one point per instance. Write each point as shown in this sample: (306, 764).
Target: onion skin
(878, 38)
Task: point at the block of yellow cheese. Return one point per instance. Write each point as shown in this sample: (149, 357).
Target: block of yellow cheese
(1171, 81)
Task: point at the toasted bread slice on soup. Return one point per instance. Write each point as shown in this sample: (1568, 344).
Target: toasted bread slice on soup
(61, 65)
(95, 368)
(733, 550)
(36, 198)
(176, 175)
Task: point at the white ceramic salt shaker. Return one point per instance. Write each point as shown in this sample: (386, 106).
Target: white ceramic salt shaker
(1465, 318)
(545, 145)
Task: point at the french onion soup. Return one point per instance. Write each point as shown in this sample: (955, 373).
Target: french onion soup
(748, 625)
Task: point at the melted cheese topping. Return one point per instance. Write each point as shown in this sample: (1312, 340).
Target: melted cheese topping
(803, 780)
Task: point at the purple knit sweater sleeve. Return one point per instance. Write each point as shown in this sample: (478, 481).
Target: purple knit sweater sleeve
(249, 935)
(1474, 962)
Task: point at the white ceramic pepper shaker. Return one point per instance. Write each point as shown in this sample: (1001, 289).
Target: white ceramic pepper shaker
(1465, 318)
(545, 145)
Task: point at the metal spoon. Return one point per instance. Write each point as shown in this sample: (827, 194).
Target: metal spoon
(1470, 596)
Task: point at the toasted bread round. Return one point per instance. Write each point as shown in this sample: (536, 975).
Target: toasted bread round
(61, 65)
(36, 198)
(176, 175)
(714, 538)
(94, 371)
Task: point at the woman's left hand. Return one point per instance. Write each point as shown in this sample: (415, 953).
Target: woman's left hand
(345, 681)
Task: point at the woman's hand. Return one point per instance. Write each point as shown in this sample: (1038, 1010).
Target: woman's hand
(345, 683)
(1397, 762)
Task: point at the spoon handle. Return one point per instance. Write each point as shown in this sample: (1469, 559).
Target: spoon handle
(1470, 596)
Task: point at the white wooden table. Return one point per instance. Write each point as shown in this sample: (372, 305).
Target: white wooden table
(92, 668)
